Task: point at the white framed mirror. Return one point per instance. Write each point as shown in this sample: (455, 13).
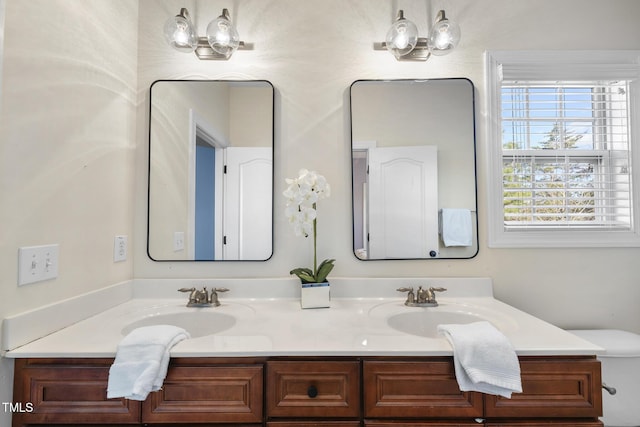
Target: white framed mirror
(414, 169)
(210, 170)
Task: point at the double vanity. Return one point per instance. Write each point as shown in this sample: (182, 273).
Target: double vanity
(262, 360)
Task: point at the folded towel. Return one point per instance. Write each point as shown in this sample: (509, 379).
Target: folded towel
(455, 227)
(484, 359)
(142, 361)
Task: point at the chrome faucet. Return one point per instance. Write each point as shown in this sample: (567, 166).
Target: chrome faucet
(422, 297)
(203, 298)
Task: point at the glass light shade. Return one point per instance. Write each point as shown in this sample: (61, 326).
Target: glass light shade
(443, 37)
(402, 37)
(180, 34)
(223, 36)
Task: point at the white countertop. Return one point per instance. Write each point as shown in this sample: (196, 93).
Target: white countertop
(279, 327)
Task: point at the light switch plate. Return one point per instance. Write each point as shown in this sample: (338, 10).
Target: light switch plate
(37, 263)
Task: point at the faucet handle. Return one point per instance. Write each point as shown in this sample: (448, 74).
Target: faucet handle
(187, 289)
(213, 299)
(431, 294)
(411, 296)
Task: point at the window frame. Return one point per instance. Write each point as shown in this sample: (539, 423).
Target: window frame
(563, 66)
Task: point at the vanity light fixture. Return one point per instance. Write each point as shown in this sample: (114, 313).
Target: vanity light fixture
(221, 41)
(403, 42)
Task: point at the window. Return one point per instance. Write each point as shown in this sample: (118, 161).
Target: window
(561, 149)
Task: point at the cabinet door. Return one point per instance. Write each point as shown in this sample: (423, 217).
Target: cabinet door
(421, 424)
(553, 388)
(69, 391)
(403, 202)
(299, 389)
(416, 390)
(205, 393)
(550, 423)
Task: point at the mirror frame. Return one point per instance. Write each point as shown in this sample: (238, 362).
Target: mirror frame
(273, 167)
(475, 223)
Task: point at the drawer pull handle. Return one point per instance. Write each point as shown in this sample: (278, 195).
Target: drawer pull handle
(312, 391)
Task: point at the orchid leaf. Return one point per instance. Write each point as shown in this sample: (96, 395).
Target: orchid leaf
(305, 278)
(325, 268)
(304, 274)
(297, 271)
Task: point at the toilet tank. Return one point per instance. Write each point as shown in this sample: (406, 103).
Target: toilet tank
(620, 370)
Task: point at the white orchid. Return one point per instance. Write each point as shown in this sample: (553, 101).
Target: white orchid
(302, 195)
(301, 218)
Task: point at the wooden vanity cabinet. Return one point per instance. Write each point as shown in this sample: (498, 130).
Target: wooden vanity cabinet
(561, 391)
(202, 391)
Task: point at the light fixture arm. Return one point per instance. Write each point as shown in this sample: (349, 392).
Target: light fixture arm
(184, 13)
(205, 52)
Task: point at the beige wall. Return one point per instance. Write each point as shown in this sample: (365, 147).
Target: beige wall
(306, 51)
(68, 142)
(251, 116)
(67, 146)
(74, 136)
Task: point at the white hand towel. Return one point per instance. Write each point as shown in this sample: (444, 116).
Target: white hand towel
(484, 359)
(455, 227)
(142, 361)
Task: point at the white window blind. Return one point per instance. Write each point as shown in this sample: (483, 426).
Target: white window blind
(563, 150)
(566, 154)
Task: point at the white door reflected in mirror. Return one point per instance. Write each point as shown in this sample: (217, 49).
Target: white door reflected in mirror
(402, 210)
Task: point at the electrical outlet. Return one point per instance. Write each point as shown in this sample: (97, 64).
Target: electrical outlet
(37, 263)
(119, 248)
(178, 241)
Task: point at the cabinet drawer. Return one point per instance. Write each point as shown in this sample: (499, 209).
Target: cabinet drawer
(67, 392)
(315, 424)
(415, 389)
(207, 393)
(554, 388)
(313, 389)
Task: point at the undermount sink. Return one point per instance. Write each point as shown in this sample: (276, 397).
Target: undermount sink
(425, 323)
(197, 323)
